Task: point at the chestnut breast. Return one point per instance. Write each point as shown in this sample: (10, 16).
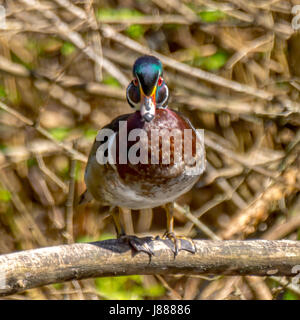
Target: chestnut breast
(157, 164)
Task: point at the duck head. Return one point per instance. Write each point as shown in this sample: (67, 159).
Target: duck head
(148, 90)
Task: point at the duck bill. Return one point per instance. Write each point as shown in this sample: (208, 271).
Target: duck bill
(148, 106)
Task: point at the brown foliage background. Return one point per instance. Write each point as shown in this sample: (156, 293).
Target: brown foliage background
(64, 68)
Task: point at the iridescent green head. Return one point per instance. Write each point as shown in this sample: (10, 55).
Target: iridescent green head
(147, 69)
(147, 91)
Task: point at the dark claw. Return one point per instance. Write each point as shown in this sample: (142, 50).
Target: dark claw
(139, 244)
(187, 245)
(176, 244)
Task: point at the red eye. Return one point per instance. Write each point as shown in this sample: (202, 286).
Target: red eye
(135, 82)
(160, 81)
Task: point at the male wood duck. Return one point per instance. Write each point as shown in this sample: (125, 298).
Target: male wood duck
(163, 176)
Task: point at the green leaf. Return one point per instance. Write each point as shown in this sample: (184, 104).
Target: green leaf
(127, 287)
(106, 236)
(90, 133)
(60, 133)
(67, 48)
(111, 81)
(122, 13)
(135, 31)
(13, 96)
(65, 172)
(77, 170)
(289, 295)
(103, 236)
(34, 46)
(120, 288)
(3, 93)
(57, 286)
(31, 162)
(211, 63)
(84, 239)
(156, 290)
(5, 195)
(211, 16)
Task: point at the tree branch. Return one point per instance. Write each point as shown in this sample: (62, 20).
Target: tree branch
(33, 268)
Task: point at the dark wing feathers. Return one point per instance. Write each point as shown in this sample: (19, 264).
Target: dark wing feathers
(114, 125)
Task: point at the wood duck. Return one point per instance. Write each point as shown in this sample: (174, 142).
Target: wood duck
(163, 176)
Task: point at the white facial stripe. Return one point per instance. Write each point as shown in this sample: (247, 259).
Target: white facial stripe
(132, 104)
(161, 105)
(136, 105)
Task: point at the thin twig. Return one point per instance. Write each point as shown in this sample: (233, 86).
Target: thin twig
(76, 154)
(70, 202)
(64, 30)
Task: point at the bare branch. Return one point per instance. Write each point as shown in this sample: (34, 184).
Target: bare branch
(33, 268)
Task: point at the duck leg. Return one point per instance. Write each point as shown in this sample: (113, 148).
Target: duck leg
(177, 243)
(117, 223)
(137, 244)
